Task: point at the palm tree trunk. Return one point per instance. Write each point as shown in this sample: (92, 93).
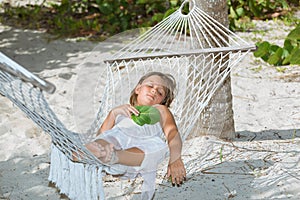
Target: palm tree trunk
(217, 118)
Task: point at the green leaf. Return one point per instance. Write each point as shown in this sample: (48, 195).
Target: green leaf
(233, 14)
(240, 11)
(294, 34)
(287, 59)
(142, 1)
(148, 115)
(157, 17)
(288, 45)
(275, 59)
(285, 53)
(169, 12)
(253, 8)
(295, 58)
(281, 69)
(105, 8)
(274, 48)
(257, 69)
(285, 4)
(173, 3)
(262, 49)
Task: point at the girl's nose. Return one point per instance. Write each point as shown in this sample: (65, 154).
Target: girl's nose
(153, 91)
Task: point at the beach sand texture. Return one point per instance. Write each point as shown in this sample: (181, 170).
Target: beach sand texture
(262, 162)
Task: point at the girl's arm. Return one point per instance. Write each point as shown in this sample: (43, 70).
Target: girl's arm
(110, 120)
(176, 167)
(108, 123)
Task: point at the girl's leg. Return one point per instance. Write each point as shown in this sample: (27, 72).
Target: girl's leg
(131, 157)
(105, 152)
(102, 150)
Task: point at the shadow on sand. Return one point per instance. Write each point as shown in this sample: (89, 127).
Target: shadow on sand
(254, 165)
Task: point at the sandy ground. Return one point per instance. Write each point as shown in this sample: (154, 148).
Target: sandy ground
(263, 162)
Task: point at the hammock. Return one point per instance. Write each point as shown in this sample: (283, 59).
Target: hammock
(197, 50)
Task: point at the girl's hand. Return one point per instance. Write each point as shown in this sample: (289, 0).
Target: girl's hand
(176, 171)
(125, 109)
(109, 121)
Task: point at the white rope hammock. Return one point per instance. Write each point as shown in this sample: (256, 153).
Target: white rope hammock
(197, 50)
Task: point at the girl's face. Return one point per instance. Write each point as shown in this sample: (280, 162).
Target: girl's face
(151, 91)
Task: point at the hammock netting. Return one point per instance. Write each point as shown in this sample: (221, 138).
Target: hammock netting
(196, 49)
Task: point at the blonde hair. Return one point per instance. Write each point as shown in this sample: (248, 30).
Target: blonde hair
(170, 86)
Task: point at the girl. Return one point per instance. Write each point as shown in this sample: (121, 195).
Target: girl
(123, 144)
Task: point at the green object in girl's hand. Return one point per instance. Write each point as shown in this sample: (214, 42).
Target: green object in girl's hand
(148, 115)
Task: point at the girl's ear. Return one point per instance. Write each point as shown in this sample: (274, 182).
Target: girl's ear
(137, 89)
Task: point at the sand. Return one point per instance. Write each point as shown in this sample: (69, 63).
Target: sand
(262, 162)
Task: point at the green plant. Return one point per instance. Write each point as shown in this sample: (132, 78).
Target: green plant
(221, 153)
(95, 18)
(276, 55)
(99, 19)
(257, 69)
(242, 11)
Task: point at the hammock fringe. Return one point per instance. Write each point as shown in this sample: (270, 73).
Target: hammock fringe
(76, 180)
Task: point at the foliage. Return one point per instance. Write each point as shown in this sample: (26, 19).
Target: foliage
(241, 11)
(286, 55)
(97, 18)
(148, 115)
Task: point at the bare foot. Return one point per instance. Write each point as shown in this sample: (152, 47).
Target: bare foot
(105, 153)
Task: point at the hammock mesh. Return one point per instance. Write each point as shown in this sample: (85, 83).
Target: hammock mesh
(197, 50)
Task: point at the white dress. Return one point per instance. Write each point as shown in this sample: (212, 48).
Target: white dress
(148, 138)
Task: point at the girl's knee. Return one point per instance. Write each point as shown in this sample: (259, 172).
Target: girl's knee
(101, 142)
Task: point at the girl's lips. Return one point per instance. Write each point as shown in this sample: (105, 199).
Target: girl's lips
(150, 96)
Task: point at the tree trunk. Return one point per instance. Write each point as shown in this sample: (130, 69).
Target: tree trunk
(217, 118)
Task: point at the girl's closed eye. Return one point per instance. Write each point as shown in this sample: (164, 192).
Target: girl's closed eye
(149, 85)
(161, 92)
